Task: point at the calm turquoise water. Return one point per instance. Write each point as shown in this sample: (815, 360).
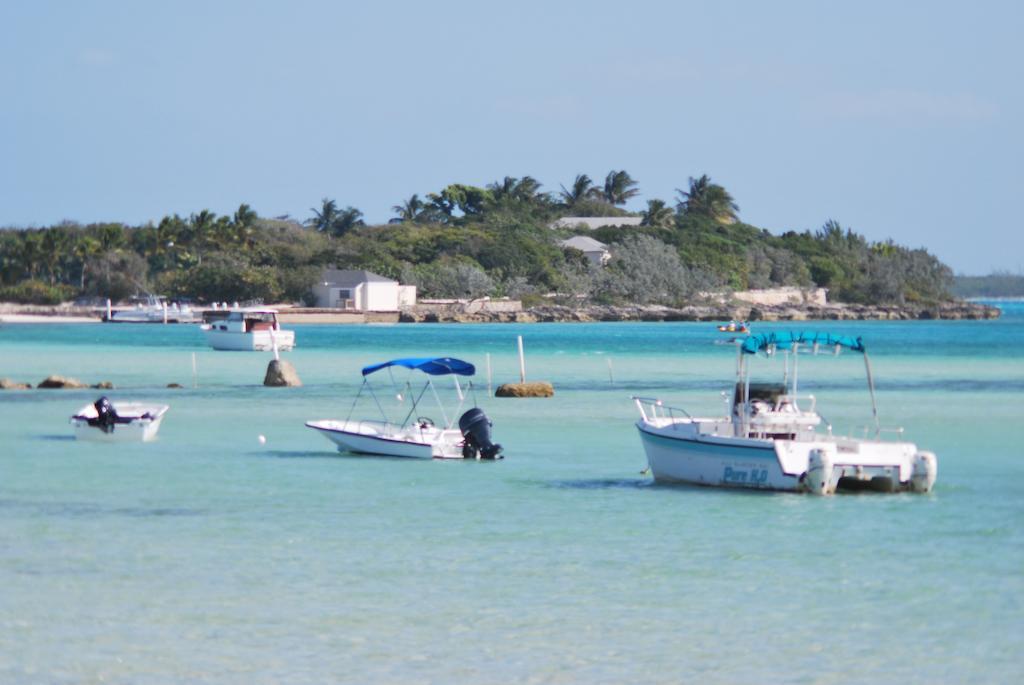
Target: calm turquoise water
(207, 557)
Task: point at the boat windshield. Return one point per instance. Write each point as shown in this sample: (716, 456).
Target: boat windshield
(765, 392)
(259, 321)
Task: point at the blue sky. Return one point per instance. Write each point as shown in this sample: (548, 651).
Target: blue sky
(899, 120)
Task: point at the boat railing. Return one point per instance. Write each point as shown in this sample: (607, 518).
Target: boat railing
(794, 401)
(878, 430)
(653, 410)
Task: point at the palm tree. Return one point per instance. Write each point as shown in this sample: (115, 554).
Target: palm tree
(658, 215)
(242, 225)
(30, 252)
(504, 189)
(324, 218)
(347, 219)
(409, 210)
(705, 198)
(528, 190)
(55, 243)
(245, 216)
(511, 189)
(619, 187)
(202, 227)
(582, 188)
(84, 250)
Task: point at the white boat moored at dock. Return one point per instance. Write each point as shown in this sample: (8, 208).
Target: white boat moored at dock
(774, 439)
(152, 309)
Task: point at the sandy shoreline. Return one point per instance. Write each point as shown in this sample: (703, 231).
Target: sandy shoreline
(28, 314)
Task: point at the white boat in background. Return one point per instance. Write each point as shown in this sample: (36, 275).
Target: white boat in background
(108, 421)
(416, 436)
(152, 309)
(246, 329)
(773, 438)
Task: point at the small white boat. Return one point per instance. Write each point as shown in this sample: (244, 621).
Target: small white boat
(153, 309)
(419, 437)
(246, 329)
(773, 438)
(108, 421)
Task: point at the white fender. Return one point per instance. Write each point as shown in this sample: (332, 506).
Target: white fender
(819, 472)
(925, 469)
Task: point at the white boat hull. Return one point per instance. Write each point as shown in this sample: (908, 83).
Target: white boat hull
(261, 341)
(678, 453)
(142, 426)
(380, 439)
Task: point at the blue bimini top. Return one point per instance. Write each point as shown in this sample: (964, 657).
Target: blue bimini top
(785, 340)
(435, 366)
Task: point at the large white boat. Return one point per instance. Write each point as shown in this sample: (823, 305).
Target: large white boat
(108, 421)
(416, 436)
(773, 438)
(152, 309)
(246, 329)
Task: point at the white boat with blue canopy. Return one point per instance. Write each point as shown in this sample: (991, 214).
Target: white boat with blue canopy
(774, 438)
(416, 436)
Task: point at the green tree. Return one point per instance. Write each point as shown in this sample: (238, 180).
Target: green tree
(582, 189)
(409, 210)
(323, 219)
(707, 199)
(619, 187)
(658, 215)
(348, 218)
(470, 200)
(84, 250)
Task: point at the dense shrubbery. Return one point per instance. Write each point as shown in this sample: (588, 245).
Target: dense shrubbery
(36, 292)
(469, 241)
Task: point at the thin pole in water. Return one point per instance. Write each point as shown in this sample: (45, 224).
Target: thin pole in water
(109, 310)
(195, 375)
(165, 312)
(611, 376)
(522, 361)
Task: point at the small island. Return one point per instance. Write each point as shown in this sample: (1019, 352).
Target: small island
(570, 255)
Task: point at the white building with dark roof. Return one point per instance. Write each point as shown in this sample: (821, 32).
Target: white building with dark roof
(361, 291)
(594, 250)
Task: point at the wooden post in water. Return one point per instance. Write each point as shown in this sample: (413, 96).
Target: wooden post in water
(195, 375)
(522, 388)
(611, 376)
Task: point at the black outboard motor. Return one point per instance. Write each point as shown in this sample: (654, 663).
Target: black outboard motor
(476, 430)
(106, 417)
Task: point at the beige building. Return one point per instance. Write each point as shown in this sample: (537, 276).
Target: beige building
(361, 291)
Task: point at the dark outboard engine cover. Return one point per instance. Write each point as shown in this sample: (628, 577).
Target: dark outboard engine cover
(476, 430)
(106, 417)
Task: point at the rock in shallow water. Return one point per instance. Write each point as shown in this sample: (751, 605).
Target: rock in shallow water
(8, 384)
(62, 382)
(537, 389)
(281, 374)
